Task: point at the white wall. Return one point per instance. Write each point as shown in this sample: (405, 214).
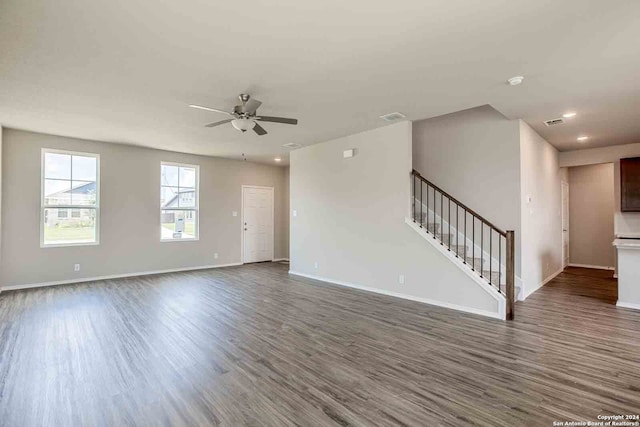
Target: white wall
(130, 216)
(626, 224)
(591, 208)
(1, 200)
(350, 221)
(541, 189)
(474, 155)
(287, 212)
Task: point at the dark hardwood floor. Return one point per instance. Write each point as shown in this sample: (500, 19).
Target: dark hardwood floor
(251, 345)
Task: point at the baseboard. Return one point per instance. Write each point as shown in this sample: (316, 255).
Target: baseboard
(628, 305)
(544, 282)
(595, 267)
(280, 259)
(494, 315)
(114, 276)
(519, 289)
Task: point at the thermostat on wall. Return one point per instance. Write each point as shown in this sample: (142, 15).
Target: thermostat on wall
(347, 154)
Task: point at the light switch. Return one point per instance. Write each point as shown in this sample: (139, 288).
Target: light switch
(234, 213)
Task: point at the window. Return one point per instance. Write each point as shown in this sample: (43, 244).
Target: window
(178, 202)
(70, 198)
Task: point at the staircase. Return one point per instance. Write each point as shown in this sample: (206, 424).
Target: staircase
(475, 242)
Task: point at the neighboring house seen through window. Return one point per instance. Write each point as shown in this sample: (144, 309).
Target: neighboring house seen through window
(178, 201)
(70, 198)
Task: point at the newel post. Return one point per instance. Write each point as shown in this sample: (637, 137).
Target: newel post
(511, 273)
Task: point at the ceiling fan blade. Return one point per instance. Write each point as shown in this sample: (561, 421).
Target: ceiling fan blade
(259, 129)
(278, 120)
(214, 124)
(215, 110)
(251, 106)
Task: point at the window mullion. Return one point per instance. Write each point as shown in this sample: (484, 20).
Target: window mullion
(71, 183)
(44, 206)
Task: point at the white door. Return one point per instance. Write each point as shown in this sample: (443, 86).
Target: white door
(565, 224)
(257, 223)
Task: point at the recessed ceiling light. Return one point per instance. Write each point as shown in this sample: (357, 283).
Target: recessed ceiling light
(515, 81)
(291, 145)
(277, 159)
(568, 115)
(583, 138)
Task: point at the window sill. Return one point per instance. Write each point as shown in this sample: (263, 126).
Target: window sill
(67, 245)
(195, 239)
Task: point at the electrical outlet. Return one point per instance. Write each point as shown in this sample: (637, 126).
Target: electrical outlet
(315, 265)
(76, 267)
(215, 256)
(295, 213)
(401, 279)
(234, 213)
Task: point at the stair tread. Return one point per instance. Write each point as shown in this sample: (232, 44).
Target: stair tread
(476, 263)
(486, 272)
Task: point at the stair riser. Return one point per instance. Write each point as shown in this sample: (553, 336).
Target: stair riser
(495, 277)
(431, 226)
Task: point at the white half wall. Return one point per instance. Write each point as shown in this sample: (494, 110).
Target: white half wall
(541, 191)
(129, 212)
(348, 223)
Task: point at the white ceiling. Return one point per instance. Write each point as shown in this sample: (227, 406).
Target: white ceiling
(124, 71)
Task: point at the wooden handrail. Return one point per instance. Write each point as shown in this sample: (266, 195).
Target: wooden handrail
(508, 290)
(448, 196)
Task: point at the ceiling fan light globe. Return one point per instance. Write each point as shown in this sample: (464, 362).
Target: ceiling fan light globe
(243, 125)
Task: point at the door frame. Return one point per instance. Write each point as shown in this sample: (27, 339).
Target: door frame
(273, 217)
(565, 256)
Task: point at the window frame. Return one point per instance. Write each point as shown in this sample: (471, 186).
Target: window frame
(195, 208)
(44, 207)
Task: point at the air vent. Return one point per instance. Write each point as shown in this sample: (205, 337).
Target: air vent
(554, 122)
(393, 117)
(291, 145)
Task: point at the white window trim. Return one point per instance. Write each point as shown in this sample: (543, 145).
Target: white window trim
(196, 208)
(43, 207)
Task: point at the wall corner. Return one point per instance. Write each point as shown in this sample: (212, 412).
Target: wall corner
(1, 134)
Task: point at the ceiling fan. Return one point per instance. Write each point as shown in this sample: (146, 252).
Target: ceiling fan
(244, 116)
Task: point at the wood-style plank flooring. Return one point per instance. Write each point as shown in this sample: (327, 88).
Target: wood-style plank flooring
(252, 345)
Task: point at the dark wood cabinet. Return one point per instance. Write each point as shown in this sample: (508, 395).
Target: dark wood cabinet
(630, 184)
